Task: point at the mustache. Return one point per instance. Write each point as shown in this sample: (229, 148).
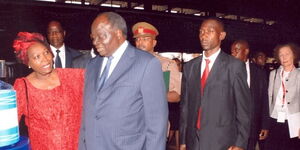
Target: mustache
(141, 47)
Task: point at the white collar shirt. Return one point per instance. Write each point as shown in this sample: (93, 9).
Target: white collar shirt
(211, 58)
(116, 57)
(62, 55)
(248, 72)
(92, 52)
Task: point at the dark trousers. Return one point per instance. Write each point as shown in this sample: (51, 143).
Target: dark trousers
(252, 144)
(279, 138)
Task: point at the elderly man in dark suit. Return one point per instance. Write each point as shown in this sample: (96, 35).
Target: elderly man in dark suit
(258, 83)
(215, 112)
(125, 105)
(63, 55)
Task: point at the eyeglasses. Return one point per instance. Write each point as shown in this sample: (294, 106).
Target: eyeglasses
(146, 38)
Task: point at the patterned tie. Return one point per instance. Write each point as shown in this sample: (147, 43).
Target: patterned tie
(203, 81)
(104, 74)
(58, 60)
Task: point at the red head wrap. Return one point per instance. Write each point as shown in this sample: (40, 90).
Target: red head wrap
(23, 41)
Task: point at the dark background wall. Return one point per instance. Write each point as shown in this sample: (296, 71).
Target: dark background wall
(178, 32)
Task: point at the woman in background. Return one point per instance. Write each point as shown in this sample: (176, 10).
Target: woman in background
(50, 99)
(284, 99)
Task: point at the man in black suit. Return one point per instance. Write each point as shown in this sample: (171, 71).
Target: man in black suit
(260, 59)
(63, 55)
(215, 96)
(257, 81)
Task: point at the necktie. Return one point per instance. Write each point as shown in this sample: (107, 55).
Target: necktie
(204, 75)
(58, 60)
(203, 81)
(104, 74)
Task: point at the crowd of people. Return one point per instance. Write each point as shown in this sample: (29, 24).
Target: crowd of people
(125, 97)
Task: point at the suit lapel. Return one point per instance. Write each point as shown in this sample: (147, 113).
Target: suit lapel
(68, 58)
(195, 76)
(97, 64)
(125, 62)
(196, 73)
(277, 82)
(215, 70)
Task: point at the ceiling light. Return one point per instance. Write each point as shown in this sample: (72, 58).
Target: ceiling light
(47, 0)
(111, 5)
(139, 8)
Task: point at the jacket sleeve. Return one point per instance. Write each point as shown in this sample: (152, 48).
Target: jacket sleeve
(242, 98)
(155, 106)
(264, 100)
(183, 110)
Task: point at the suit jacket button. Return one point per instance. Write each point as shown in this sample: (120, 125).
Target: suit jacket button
(286, 91)
(286, 79)
(288, 102)
(97, 117)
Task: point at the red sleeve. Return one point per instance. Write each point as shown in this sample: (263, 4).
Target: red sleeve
(19, 86)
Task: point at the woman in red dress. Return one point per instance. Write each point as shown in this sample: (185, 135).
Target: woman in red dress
(50, 99)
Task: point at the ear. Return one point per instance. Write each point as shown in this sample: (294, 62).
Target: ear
(222, 35)
(154, 42)
(247, 51)
(119, 34)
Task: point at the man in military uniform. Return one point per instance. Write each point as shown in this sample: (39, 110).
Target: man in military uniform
(145, 39)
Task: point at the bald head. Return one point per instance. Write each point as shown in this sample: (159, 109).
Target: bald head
(108, 32)
(217, 21)
(240, 50)
(116, 21)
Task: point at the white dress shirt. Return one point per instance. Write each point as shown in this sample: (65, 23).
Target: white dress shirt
(211, 58)
(116, 57)
(62, 55)
(92, 52)
(248, 72)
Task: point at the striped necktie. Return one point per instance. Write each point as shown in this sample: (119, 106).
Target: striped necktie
(103, 77)
(58, 60)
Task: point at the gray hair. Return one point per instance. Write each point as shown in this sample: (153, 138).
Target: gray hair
(116, 21)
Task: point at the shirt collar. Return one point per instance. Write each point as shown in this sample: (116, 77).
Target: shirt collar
(61, 48)
(213, 57)
(93, 53)
(247, 62)
(119, 52)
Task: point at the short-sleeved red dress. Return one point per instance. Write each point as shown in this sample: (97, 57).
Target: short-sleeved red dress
(53, 116)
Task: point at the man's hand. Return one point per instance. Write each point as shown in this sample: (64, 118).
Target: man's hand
(173, 97)
(263, 134)
(299, 134)
(182, 147)
(234, 148)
